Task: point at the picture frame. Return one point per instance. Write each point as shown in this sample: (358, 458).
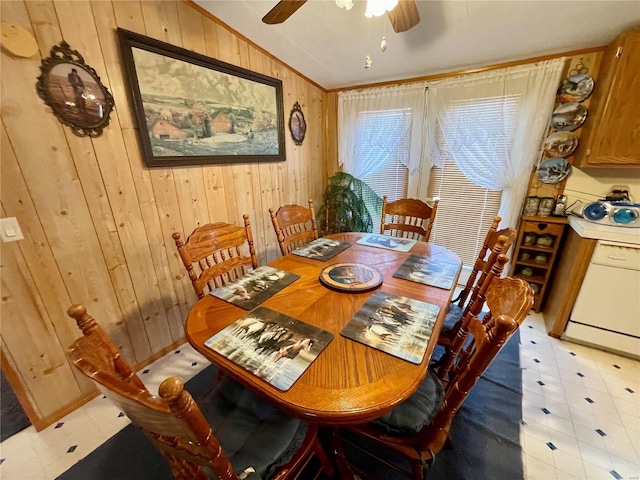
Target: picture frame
(297, 124)
(74, 92)
(193, 110)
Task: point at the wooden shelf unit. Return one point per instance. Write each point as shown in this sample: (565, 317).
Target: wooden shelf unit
(541, 271)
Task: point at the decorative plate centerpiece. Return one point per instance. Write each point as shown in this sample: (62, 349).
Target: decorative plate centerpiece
(350, 277)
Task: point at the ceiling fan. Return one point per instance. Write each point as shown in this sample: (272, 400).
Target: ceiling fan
(403, 17)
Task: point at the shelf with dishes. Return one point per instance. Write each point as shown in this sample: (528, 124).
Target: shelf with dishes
(535, 252)
(534, 263)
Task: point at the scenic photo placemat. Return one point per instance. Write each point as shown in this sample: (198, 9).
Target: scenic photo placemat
(386, 241)
(255, 287)
(396, 325)
(434, 271)
(322, 249)
(271, 345)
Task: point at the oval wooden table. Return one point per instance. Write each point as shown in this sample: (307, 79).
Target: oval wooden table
(348, 383)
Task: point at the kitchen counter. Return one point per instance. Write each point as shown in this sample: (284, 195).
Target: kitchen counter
(598, 231)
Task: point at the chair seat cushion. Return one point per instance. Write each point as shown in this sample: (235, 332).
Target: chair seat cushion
(252, 432)
(410, 416)
(453, 315)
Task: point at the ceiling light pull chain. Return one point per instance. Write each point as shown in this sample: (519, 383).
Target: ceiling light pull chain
(367, 58)
(383, 43)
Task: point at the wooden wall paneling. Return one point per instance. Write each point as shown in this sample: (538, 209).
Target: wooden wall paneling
(192, 28)
(315, 130)
(31, 338)
(57, 194)
(213, 174)
(10, 369)
(288, 183)
(246, 201)
(42, 14)
(176, 296)
(106, 27)
(47, 280)
(222, 51)
(128, 15)
(254, 198)
(297, 184)
(262, 179)
(100, 208)
(124, 244)
(331, 134)
(17, 202)
(301, 152)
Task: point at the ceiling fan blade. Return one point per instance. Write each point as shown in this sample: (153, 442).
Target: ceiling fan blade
(283, 10)
(404, 16)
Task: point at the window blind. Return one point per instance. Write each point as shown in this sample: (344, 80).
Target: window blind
(466, 210)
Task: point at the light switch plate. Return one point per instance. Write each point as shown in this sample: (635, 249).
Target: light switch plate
(10, 230)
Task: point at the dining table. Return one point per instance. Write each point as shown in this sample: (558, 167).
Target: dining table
(349, 382)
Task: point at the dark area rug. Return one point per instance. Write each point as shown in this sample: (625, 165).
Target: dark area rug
(485, 432)
(12, 416)
(485, 435)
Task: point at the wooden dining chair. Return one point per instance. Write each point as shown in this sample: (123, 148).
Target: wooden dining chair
(453, 340)
(215, 254)
(408, 218)
(495, 243)
(295, 226)
(418, 428)
(252, 438)
(485, 256)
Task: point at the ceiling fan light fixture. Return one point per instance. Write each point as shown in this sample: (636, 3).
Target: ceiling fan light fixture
(375, 8)
(346, 4)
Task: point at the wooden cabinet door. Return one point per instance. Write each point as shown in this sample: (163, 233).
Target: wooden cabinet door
(611, 136)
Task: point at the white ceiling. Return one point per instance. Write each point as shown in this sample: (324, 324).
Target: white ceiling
(328, 44)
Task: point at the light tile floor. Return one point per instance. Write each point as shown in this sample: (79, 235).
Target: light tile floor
(580, 406)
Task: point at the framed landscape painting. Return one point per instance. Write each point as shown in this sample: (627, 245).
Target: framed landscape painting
(194, 110)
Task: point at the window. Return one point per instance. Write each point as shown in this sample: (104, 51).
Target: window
(393, 179)
(468, 130)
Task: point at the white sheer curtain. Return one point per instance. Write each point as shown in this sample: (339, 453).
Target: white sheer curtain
(372, 123)
(472, 143)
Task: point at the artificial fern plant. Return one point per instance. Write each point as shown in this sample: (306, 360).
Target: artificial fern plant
(345, 205)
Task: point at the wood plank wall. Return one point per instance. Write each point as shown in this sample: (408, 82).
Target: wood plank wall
(97, 222)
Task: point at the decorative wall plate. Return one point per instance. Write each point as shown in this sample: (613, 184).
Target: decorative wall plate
(568, 117)
(350, 277)
(553, 170)
(560, 144)
(576, 88)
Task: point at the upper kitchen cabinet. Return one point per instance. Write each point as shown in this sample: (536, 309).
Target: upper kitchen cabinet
(611, 134)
